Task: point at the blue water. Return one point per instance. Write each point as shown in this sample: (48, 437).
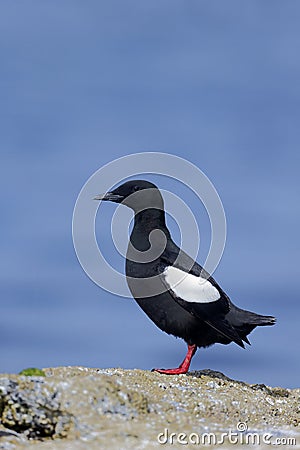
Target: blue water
(216, 83)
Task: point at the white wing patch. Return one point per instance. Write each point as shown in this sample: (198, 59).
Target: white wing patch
(190, 288)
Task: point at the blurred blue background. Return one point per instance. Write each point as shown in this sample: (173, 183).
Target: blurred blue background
(83, 83)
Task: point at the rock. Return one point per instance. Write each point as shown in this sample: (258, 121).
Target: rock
(76, 407)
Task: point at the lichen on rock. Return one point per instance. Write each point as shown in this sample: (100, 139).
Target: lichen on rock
(32, 406)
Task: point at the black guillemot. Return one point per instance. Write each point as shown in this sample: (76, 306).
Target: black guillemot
(175, 292)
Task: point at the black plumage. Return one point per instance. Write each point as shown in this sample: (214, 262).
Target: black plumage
(172, 289)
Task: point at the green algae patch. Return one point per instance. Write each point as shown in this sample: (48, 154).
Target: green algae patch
(32, 372)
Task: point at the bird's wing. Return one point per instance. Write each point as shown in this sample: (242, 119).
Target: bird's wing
(200, 295)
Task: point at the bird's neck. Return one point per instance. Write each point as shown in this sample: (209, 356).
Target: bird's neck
(144, 223)
(150, 219)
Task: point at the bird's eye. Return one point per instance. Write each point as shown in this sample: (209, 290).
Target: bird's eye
(135, 188)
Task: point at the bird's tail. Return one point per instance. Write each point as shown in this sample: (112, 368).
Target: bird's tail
(245, 321)
(240, 317)
(259, 320)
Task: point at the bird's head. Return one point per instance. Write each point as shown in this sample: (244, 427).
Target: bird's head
(136, 194)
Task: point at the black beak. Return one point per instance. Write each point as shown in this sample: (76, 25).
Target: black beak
(109, 197)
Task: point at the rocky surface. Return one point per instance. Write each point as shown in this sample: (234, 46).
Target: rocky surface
(80, 408)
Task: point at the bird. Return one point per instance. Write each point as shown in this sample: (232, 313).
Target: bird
(176, 292)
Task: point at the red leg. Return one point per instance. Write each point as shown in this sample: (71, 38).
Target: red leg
(184, 366)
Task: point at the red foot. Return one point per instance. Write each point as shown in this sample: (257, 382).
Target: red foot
(176, 371)
(184, 366)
